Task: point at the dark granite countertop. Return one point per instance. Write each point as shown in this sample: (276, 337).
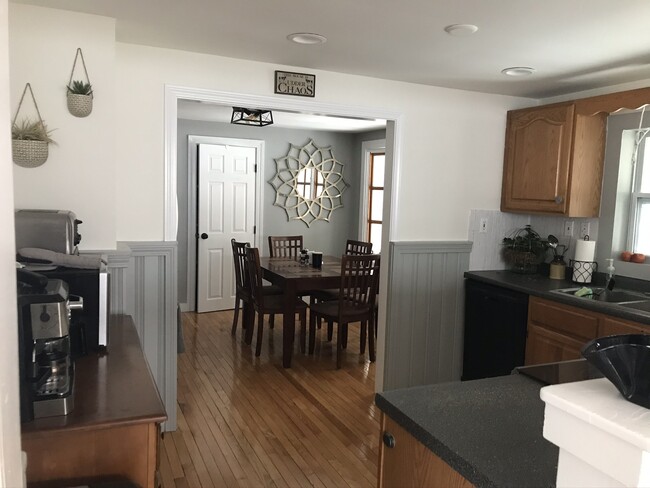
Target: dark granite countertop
(542, 286)
(489, 430)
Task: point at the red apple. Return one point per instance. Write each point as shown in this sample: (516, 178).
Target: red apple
(626, 255)
(637, 257)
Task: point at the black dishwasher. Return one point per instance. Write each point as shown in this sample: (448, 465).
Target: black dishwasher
(495, 330)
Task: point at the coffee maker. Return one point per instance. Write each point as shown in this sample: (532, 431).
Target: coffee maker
(46, 367)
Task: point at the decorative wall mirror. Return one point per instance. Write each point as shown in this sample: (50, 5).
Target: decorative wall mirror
(308, 183)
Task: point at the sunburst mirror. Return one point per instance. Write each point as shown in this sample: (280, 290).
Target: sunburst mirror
(308, 183)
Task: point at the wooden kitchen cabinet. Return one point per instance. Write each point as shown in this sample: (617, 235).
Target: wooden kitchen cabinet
(113, 430)
(557, 332)
(611, 326)
(553, 162)
(547, 346)
(409, 464)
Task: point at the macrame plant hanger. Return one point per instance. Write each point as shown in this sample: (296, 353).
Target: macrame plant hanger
(79, 104)
(29, 152)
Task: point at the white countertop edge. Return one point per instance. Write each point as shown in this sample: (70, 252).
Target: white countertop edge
(600, 404)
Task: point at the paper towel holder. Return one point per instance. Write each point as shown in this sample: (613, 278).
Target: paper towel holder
(583, 271)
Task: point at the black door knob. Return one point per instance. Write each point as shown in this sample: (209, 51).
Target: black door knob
(389, 440)
(204, 236)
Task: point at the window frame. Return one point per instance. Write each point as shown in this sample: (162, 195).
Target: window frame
(367, 148)
(641, 161)
(370, 188)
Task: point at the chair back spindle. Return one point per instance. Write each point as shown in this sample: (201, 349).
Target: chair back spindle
(285, 246)
(358, 248)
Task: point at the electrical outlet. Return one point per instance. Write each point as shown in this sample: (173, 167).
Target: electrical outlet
(483, 227)
(568, 228)
(584, 229)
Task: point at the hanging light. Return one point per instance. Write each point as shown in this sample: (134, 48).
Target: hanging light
(251, 116)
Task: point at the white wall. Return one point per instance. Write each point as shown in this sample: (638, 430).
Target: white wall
(452, 149)
(452, 152)
(10, 463)
(79, 174)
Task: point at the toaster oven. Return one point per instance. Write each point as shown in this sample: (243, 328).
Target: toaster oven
(56, 230)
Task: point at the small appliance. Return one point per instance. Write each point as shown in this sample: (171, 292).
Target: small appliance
(46, 367)
(57, 231)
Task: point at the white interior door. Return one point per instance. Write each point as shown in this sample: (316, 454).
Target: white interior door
(226, 210)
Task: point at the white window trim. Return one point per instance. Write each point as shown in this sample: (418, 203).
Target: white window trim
(367, 148)
(642, 146)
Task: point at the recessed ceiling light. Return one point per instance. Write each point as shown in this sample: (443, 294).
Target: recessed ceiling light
(461, 29)
(306, 38)
(518, 71)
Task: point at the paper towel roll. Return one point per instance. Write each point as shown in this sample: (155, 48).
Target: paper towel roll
(585, 251)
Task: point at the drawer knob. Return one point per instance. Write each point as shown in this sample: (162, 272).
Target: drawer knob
(389, 440)
(559, 199)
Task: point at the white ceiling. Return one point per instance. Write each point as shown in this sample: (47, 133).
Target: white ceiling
(574, 45)
(191, 110)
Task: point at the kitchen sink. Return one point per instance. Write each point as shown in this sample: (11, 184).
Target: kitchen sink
(644, 306)
(609, 296)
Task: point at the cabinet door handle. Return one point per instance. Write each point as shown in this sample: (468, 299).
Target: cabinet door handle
(559, 198)
(389, 440)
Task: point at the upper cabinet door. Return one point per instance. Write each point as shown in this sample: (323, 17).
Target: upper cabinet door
(538, 159)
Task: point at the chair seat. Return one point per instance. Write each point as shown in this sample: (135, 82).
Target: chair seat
(331, 310)
(325, 295)
(272, 290)
(275, 304)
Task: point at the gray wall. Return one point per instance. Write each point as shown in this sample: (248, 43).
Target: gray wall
(328, 237)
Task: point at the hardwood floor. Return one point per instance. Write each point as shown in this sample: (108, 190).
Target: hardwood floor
(248, 422)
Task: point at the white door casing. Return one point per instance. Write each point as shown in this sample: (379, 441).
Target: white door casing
(226, 210)
(174, 93)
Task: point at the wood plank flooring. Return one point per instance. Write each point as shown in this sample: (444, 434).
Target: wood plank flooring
(248, 422)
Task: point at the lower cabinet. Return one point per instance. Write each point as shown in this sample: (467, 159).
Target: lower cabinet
(406, 463)
(557, 332)
(546, 346)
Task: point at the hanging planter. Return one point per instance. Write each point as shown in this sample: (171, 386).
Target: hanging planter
(80, 93)
(29, 140)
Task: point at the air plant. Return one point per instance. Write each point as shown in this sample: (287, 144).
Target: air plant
(27, 130)
(79, 87)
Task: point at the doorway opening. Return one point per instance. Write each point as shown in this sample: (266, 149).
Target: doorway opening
(174, 94)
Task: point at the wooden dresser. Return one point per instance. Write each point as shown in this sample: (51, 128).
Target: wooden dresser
(114, 428)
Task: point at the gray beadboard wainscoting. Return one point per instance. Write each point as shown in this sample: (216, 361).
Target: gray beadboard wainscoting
(425, 308)
(143, 284)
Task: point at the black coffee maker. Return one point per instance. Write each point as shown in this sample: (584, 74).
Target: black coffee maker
(46, 367)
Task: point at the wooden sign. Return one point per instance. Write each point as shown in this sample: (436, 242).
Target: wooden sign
(297, 84)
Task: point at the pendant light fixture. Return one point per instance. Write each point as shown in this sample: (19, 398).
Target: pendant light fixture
(251, 116)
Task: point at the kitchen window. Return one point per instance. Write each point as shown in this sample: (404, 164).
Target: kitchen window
(375, 199)
(639, 223)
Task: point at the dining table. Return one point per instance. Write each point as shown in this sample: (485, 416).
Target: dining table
(296, 279)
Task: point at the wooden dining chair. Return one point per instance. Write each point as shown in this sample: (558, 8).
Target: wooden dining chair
(243, 292)
(352, 248)
(355, 303)
(269, 304)
(285, 246)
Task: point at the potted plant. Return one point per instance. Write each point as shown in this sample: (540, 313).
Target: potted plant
(524, 249)
(80, 98)
(30, 142)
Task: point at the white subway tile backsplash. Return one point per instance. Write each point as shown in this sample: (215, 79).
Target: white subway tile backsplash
(486, 250)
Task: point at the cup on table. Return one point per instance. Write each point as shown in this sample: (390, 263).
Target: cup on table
(317, 259)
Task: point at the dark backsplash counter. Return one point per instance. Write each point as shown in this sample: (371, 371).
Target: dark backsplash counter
(542, 286)
(489, 430)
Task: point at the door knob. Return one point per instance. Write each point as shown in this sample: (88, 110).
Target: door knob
(204, 236)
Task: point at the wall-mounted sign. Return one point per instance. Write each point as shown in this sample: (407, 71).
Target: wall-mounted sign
(297, 84)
